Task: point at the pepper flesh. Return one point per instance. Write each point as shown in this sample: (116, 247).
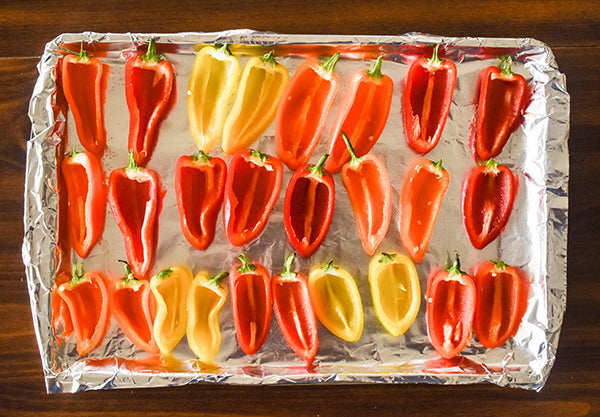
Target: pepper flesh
(61, 318)
(488, 196)
(308, 207)
(502, 293)
(261, 87)
(303, 110)
(251, 302)
(251, 191)
(395, 291)
(370, 192)
(205, 300)
(427, 99)
(336, 301)
(294, 312)
(211, 88)
(199, 187)
(362, 116)
(501, 100)
(170, 288)
(423, 191)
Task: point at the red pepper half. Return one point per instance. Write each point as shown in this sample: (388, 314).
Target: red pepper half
(294, 312)
(135, 197)
(501, 100)
(303, 110)
(370, 191)
(451, 298)
(251, 190)
(502, 293)
(488, 195)
(250, 304)
(423, 190)
(199, 186)
(84, 89)
(86, 297)
(363, 114)
(61, 318)
(308, 207)
(86, 194)
(148, 85)
(427, 98)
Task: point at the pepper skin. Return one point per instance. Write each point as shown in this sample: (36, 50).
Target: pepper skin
(251, 303)
(211, 88)
(199, 187)
(132, 306)
(336, 301)
(294, 312)
(86, 194)
(501, 100)
(303, 110)
(370, 192)
(84, 89)
(261, 87)
(61, 318)
(148, 86)
(395, 291)
(135, 199)
(427, 99)
(205, 300)
(451, 298)
(308, 207)
(489, 193)
(363, 114)
(423, 191)
(251, 191)
(502, 293)
(86, 298)
(170, 288)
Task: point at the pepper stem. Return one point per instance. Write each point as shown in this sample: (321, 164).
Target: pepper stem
(287, 266)
(355, 158)
(223, 48)
(501, 266)
(202, 156)
(216, 281)
(269, 59)
(435, 60)
(78, 273)
(132, 165)
(386, 257)
(245, 266)
(319, 168)
(375, 71)
(151, 55)
(329, 267)
(83, 54)
(455, 268)
(505, 65)
(128, 272)
(256, 154)
(438, 164)
(329, 65)
(491, 164)
(164, 273)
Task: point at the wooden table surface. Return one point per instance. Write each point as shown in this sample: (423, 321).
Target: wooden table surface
(570, 28)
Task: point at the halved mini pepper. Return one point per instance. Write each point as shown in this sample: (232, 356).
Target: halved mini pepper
(303, 110)
(501, 100)
(61, 318)
(261, 87)
(395, 291)
(423, 190)
(308, 207)
(336, 301)
(502, 293)
(170, 288)
(489, 193)
(294, 312)
(211, 88)
(199, 187)
(205, 300)
(370, 191)
(427, 99)
(251, 190)
(362, 116)
(451, 300)
(251, 303)
(86, 194)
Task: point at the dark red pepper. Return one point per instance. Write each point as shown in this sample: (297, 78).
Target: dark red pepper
(148, 86)
(199, 187)
(488, 195)
(427, 98)
(308, 207)
(251, 190)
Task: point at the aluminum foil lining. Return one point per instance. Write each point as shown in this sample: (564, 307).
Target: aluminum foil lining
(535, 238)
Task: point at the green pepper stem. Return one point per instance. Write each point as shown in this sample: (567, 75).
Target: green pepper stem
(438, 164)
(505, 65)
(435, 60)
(151, 55)
(375, 71)
(78, 273)
(245, 266)
(256, 154)
(454, 270)
(129, 277)
(83, 55)
(329, 267)
(319, 168)
(201, 156)
(132, 165)
(355, 158)
(216, 281)
(491, 164)
(501, 266)
(329, 65)
(223, 48)
(269, 59)
(287, 266)
(386, 257)
(164, 273)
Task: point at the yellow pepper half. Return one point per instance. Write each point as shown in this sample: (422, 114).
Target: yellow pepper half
(211, 88)
(337, 302)
(261, 87)
(170, 288)
(395, 290)
(205, 300)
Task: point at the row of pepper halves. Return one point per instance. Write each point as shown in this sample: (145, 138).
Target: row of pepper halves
(155, 315)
